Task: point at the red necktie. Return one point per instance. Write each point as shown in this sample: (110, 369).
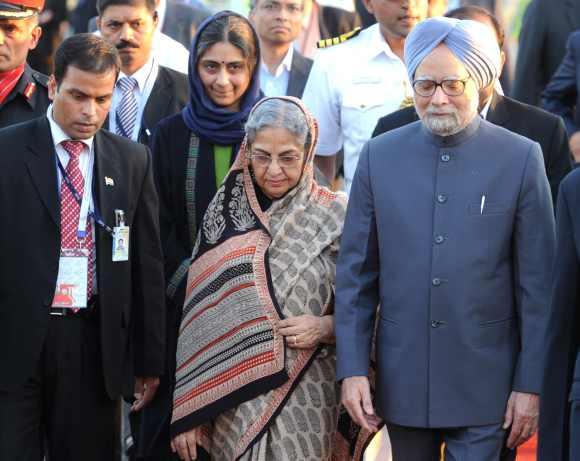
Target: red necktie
(70, 210)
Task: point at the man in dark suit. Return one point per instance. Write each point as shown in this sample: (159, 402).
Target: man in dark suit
(145, 92)
(562, 95)
(523, 119)
(283, 70)
(559, 434)
(545, 30)
(76, 326)
(450, 229)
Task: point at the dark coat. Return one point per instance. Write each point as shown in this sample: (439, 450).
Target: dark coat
(561, 96)
(562, 338)
(529, 121)
(299, 73)
(545, 30)
(130, 306)
(20, 105)
(463, 286)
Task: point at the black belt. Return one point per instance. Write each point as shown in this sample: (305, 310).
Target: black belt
(83, 312)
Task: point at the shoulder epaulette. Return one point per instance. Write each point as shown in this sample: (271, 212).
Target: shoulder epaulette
(40, 78)
(327, 42)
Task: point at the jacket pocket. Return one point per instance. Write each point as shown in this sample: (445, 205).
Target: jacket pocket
(489, 208)
(388, 332)
(495, 332)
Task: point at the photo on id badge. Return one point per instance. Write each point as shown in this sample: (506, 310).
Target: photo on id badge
(120, 238)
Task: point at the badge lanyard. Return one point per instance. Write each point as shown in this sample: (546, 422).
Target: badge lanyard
(84, 201)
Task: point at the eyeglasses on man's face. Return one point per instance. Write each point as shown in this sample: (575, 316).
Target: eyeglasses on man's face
(450, 86)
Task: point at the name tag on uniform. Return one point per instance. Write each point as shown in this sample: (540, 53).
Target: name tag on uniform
(121, 236)
(71, 283)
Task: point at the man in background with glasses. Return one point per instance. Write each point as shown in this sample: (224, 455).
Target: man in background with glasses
(283, 70)
(450, 229)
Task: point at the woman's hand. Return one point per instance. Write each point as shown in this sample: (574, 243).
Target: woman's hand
(307, 331)
(185, 445)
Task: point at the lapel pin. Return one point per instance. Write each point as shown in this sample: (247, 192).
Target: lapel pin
(109, 181)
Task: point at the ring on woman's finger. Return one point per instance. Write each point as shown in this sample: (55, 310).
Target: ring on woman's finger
(295, 340)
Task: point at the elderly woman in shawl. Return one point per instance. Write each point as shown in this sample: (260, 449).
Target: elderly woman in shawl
(255, 373)
(450, 228)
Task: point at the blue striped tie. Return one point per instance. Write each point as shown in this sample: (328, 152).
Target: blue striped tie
(127, 110)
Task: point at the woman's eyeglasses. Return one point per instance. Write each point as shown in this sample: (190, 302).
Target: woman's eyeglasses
(283, 161)
(450, 86)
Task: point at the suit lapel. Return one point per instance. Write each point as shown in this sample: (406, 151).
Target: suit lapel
(160, 98)
(107, 179)
(297, 80)
(498, 112)
(41, 165)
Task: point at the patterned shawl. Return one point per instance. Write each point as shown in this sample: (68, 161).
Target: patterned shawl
(228, 349)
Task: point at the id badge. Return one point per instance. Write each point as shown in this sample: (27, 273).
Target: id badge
(71, 283)
(120, 243)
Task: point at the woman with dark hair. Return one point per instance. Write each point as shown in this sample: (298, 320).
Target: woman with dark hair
(192, 153)
(255, 373)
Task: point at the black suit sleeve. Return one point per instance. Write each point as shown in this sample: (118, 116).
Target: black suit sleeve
(559, 162)
(561, 93)
(148, 286)
(528, 83)
(560, 341)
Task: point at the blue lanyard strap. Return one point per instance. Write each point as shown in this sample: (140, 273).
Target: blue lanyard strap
(92, 213)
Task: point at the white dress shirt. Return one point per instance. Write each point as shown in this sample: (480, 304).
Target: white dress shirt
(145, 77)
(277, 84)
(86, 158)
(351, 86)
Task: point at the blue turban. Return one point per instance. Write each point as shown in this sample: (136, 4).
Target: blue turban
(472, 42)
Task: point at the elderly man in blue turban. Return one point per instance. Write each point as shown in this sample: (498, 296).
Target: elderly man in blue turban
(450, 230)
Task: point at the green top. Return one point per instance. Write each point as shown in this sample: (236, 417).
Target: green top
(222, 158)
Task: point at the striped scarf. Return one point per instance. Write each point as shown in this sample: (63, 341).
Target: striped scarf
(8, 81)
